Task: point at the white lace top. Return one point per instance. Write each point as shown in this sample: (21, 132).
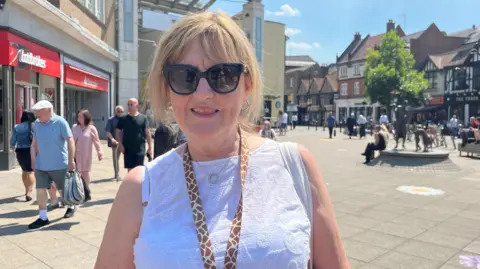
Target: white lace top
(275, 230)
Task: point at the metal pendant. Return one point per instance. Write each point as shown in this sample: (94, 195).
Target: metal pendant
(213, 178)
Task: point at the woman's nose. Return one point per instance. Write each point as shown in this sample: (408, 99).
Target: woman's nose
(204, 91)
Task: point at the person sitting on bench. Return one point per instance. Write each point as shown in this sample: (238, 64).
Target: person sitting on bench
(471, 135)
(380, 143)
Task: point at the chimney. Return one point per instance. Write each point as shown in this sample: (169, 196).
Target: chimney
(357, 36)
(474, 27)
(390, 25)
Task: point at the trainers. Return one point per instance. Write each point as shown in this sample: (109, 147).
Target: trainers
(70, 212)
(28, 198)
(39, 223)
(51, 207)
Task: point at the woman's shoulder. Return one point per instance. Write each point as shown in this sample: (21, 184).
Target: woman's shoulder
(165, 161)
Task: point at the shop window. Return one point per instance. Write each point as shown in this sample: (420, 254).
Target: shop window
(291, 82)
(48, 90)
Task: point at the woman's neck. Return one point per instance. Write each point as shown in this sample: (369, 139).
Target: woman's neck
(202, 149)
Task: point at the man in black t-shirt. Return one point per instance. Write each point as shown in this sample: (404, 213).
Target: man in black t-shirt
(132, 131)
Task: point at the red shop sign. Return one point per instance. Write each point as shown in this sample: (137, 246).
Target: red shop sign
(78, 77)
(19, 52)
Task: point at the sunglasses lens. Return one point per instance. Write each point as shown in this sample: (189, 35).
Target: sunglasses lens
(224, 78)
(183, 80)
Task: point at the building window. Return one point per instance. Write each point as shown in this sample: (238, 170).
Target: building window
(343, 71)
(431, 76)
(356, 68)
(343, 89)
(259, 38)
(2, 136)
(461, 78)
(356, 88)
(291, 82)
(95, 7)
(128, 22)
(476, 78)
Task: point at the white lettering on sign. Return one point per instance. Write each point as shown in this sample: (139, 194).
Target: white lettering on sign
(29, 58)
(466, 99)
(86, 81)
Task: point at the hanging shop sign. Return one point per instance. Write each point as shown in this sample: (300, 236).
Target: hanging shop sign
(467, 97)
(81, 78)
(19, 52)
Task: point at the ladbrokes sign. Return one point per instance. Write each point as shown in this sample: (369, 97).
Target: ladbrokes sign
(22, 53)
(29, 58)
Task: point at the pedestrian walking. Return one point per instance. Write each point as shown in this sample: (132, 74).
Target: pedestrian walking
(351, 122)
(52, 154)
(267, 131)
(166, 138)
(133, 131)
(86, 138)
(294, 121)
(20, 143)
(331, 122)
(112, 139)
(362, 122)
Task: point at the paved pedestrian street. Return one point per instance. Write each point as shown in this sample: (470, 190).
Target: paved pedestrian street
(383, 225)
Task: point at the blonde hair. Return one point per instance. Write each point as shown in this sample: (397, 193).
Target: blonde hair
(222, 40)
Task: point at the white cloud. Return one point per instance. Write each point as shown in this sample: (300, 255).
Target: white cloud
(292, 31)
(285, 10)
(303, 45)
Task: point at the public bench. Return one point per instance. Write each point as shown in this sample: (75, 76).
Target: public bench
(470, 149)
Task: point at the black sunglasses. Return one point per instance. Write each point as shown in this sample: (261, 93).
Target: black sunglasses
(223, 78)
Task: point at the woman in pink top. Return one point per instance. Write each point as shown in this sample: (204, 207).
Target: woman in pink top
(86, 136)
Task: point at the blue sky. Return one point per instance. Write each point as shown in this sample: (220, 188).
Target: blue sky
(323, 28)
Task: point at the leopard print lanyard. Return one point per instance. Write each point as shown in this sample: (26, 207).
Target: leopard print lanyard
(199, 217)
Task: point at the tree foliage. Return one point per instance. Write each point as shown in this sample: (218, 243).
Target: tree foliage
(390, 74)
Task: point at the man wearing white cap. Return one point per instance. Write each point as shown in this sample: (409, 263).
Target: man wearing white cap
(52, 154)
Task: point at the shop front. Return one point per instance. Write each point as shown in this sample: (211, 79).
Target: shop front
(357, 106)
(463, 105)
(85, 88)
(29, 72)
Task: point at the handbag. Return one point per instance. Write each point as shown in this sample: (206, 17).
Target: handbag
(294, 164)
(74, 189)
(86, 188)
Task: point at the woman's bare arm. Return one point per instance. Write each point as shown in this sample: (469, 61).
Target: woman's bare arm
(123, 225)
(328, 251)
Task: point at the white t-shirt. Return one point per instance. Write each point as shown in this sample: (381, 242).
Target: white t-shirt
(294, 118)
(285, 118)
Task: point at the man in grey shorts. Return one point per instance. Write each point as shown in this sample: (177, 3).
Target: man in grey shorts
(52, 154)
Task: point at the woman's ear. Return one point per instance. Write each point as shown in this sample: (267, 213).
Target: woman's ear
(248, 84)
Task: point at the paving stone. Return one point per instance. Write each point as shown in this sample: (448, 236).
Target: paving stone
(397, 260)
(361, 251)
(398, 230)
(443, 239)
(427, 251)
(379, 239)
(474, 247)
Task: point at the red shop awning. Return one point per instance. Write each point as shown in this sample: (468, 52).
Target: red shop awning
(83, 79)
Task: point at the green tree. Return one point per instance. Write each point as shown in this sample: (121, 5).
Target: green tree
(390, 74)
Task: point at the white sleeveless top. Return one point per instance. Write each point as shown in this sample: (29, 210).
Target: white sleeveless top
(275, 227)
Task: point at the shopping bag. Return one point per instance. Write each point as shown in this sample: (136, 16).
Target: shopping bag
(74, 189)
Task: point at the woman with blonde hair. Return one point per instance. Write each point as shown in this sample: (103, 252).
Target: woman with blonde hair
(226, 198)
